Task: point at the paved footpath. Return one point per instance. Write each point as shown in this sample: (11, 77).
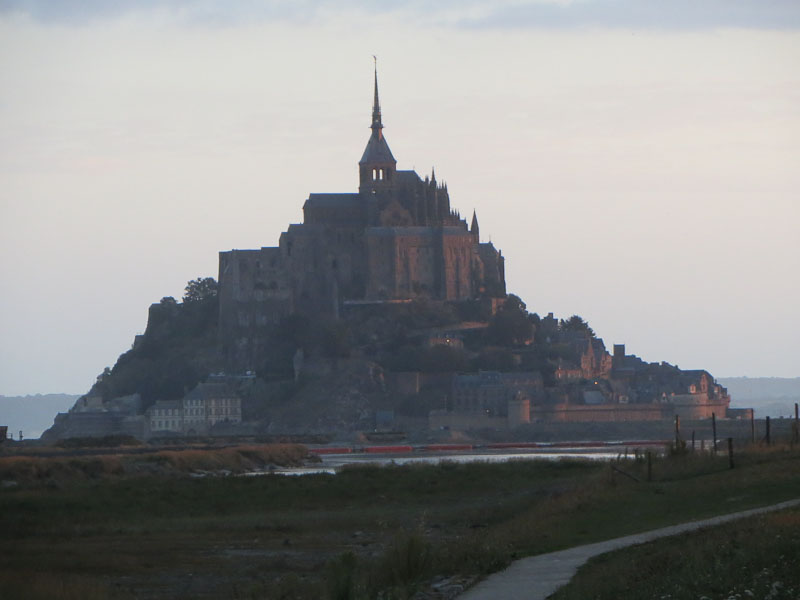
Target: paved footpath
(538, 577)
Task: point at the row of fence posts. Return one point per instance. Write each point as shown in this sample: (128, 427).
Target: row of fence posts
(795, 438)
(678, 440)
(767, 437)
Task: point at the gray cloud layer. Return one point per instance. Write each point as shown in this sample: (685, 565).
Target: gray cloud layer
(477, 14)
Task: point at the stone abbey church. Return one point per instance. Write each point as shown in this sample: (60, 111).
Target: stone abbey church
(395, 239)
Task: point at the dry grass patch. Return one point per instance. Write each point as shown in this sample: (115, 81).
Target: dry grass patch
(62, 469)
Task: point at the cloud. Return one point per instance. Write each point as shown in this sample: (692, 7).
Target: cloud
(206, 12)
(650, 14)
(457, 14)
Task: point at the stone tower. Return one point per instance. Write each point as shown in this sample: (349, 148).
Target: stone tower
(395, 239)
(377, 166)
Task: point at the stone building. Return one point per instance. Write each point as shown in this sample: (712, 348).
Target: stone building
(490, 392)
(166, 416)
(208, 404)
(197, 412)
(396, 238)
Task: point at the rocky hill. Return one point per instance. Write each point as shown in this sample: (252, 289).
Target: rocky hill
(388, 366)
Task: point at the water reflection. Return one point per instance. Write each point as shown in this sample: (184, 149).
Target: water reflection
(332, 463)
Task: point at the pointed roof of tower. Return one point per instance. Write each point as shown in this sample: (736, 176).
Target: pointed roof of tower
(376, 103)
(377, 150)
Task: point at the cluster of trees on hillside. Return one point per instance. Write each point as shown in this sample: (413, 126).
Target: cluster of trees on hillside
(177, 350)
(179, 347)
(512, 341)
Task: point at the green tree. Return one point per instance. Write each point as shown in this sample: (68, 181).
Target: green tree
(511, 325)
(576, 324)
(199, 289)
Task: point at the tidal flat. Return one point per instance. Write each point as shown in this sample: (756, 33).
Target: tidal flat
(367, 531)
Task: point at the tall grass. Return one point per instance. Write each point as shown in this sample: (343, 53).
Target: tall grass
(389, 531)
(752, 558)
(32, 585)
(63, 469)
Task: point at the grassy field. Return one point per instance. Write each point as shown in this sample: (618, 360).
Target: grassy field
(393, 530)
(57, 466)
(753, 558)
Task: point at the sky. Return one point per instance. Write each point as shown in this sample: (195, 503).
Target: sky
(637, 162)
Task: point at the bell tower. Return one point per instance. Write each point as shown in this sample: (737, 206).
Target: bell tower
(377, 166)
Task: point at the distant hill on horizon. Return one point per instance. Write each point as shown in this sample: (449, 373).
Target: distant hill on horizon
(34, 413)
(769, 396)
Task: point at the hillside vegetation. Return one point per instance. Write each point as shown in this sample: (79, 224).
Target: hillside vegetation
(180, 348)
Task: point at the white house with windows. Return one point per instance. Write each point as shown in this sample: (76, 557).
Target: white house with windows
(197, 412)
(166, 415)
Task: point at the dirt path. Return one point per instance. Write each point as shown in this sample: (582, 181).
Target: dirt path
(537, 577)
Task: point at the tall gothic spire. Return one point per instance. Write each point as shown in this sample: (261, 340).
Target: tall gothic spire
(377, 125)
(377, 154)
(474, 230)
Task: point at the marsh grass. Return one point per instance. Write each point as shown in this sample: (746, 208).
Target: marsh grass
(34, 585)
(752, 558)
(361, 533)
(30, 470)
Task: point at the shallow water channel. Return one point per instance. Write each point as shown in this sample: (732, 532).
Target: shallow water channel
(331, 463)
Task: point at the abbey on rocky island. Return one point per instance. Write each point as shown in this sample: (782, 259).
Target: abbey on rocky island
(465, 357)
(397, 238)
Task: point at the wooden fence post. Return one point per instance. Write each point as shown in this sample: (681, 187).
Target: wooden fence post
(714, 430)
(796, 424)
(692, 440)
(677, 432)
(767, 438)
(730, 452)
(752, 425)
(649, 466)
